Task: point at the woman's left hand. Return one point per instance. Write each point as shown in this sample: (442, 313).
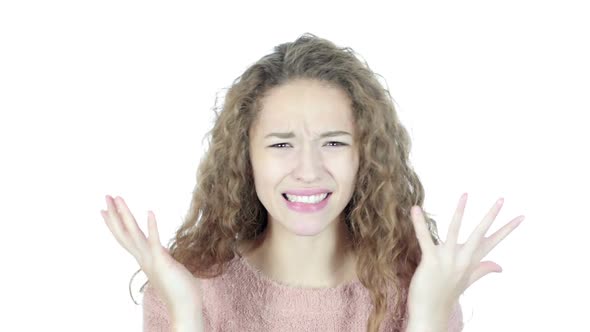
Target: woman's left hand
(448, 269)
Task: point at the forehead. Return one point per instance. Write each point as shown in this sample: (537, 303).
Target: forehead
(306, 104)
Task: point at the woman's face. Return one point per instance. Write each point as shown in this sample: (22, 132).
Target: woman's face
(289, 152)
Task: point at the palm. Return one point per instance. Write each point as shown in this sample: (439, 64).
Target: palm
(423, 285)
(174, 281)
(171, 280)
(448, 269)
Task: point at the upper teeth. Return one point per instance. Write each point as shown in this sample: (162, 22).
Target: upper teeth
(307, 199)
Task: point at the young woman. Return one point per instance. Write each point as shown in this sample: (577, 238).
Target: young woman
(306, 215)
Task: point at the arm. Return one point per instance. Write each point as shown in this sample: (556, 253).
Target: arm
(156, 317)
(187, 324)
(452, 324)
(425, 327)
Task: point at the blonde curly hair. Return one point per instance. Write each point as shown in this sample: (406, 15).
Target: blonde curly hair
(225, 210)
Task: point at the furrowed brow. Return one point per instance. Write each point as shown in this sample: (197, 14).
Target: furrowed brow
(326, 134)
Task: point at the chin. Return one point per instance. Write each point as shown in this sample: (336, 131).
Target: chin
(306, 228)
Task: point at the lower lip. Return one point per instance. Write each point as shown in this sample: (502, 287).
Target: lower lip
(305, 207)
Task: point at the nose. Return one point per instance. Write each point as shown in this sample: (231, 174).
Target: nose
(308, 165)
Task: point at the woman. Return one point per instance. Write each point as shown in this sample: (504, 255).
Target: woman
(306, 215)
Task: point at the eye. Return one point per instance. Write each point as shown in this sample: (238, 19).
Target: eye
(276, 145)
(337, 144)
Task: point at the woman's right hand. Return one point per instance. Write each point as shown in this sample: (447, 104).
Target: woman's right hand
(172, 281)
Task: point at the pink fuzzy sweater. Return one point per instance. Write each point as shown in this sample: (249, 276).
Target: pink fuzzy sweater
(244, 299)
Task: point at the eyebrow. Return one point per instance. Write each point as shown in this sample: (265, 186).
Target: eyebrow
(291, 134)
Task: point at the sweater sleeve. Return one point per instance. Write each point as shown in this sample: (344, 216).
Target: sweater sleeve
(155, 312)
(456, 320)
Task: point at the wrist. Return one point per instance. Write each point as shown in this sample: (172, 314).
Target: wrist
(187, 322)
(414, 327)
(186, 325)
(427, 325)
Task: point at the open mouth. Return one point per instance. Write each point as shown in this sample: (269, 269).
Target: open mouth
(287, 199)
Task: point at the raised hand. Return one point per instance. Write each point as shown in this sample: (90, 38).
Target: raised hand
(171, 280)
(448, 269)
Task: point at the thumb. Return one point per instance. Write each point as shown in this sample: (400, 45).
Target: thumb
(483, 269)
(153, 234)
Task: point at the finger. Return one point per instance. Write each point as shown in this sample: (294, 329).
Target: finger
(453, 233)
(105, 217)
(154, 237)
(131, 225)
(484, 268)
(499, 235)
(422, 232)
(117, 228)
(475, 238)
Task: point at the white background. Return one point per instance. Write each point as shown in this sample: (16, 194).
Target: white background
(114, 97)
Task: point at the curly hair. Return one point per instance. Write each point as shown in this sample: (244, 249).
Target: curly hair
(225, 210)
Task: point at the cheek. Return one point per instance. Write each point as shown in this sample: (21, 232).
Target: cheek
(344, 173)
(267, 172)
(341, 163)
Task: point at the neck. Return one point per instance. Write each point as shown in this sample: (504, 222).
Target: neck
(323, 260)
